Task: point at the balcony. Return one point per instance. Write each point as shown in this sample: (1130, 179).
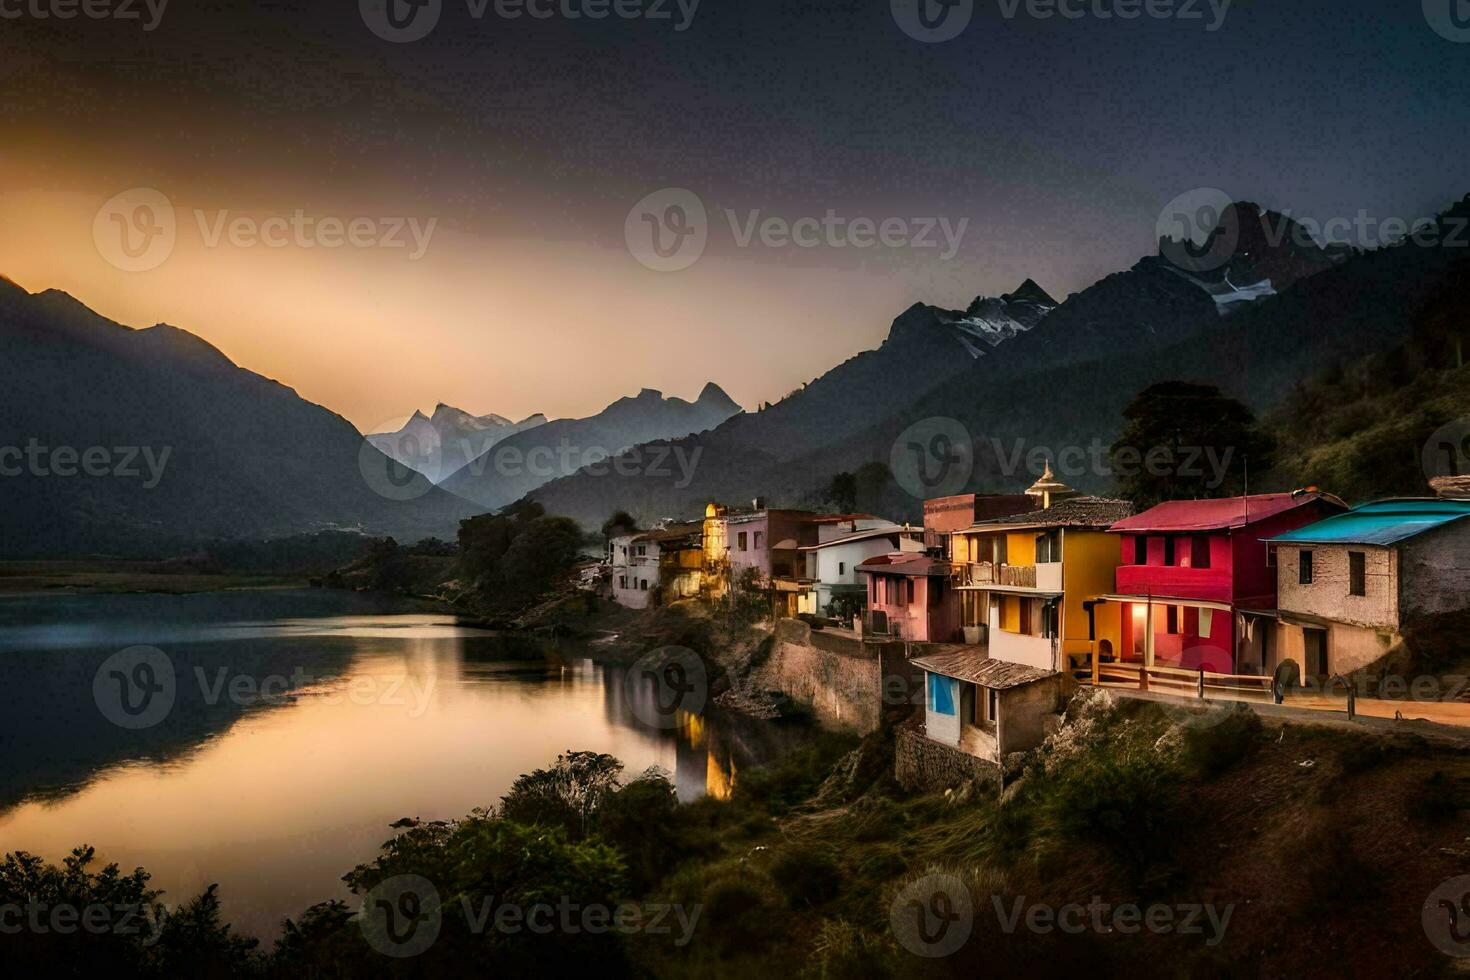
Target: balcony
(1175, 581)
(981, 574)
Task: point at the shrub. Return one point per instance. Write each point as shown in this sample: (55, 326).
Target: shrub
(806, 877)
(1213, 748)
(738, 912)
(1435, 800)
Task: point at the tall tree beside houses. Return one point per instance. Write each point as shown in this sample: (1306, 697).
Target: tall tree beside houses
(1186, 441)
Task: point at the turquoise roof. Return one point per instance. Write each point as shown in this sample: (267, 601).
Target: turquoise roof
(1385, 522)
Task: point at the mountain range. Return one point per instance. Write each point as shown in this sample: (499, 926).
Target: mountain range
(216, 451)
(1064, 381)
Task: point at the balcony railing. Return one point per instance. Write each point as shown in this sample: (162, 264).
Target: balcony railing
(986, 573)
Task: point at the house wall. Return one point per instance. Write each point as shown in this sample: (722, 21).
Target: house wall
(1349, 647)
(1255, 580)
(1327, 595)
(1016, 648)
(1177, 580)
(824, 564)
(941, 727)
(636, 569)
(1187, 648)
(920, 763)
(1024, 714)
(1435, 572)
(845, 680)
(924, 620)
(1089, 565)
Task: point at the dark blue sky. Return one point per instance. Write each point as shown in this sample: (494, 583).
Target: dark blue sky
(1058, 139)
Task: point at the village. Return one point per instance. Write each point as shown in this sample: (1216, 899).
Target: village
(1000, 607)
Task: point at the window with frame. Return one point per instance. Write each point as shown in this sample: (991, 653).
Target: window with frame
(1304, 570)
(842, 568)
(1140, 550)
(740, 540)
(909, 592)
(760, 540)
(1199, 551)
(941, 695)
(1169, 550)
(643, 585)
(1357, 573)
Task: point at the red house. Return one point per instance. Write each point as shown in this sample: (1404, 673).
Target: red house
(1196, 579)
(909, 596)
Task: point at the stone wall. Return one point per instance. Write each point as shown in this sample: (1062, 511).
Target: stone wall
(921, 764)
(841, 677)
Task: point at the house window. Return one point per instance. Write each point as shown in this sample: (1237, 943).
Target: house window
(1304, 568)
(1169, 550)
(1357, 573)
(941, 695)
(1049, 546)
(842, 568)
(910, 591)
(760, 540)
(1199, 551)
(622, 581)
(1171, 620)
(643, 585)
(992, 705)
(1140, 550)
(999, 550)
(1270, 557)
(642, 550)
(740, 540)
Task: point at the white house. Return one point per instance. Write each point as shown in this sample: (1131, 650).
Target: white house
(841, 547)
(633, 560)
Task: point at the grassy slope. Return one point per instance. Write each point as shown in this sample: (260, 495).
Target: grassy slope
(1327, 844)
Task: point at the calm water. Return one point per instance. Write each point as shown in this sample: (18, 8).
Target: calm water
(301, 725)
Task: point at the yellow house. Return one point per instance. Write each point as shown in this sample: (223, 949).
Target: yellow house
(1026, 583)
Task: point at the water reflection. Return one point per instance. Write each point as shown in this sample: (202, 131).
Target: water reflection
(303, 724)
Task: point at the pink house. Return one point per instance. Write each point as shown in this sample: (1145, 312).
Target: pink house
(1196, 577)
(909, 595)
(768, 541)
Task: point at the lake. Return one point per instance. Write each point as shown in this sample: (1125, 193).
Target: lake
(265, 740)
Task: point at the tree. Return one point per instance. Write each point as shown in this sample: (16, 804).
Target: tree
(619, 523)
(841, 492)
(1184, 441)
(539, 554)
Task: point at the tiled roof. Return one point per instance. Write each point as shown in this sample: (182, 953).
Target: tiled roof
(1385, 522)
(906, 563)
(977, 668)
(1097, 512)
(1218, 515)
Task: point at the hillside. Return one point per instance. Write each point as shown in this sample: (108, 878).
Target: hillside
(181, 443)
(1064, 383)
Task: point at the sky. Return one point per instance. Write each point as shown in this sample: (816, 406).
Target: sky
(384, 221)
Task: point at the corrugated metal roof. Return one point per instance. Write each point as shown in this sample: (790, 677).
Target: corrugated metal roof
(976, 668)
(1217, 515)
(1383, 523)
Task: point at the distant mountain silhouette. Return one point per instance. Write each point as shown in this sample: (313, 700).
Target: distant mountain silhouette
(523, 461)
(206, 449)
(438, 445)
